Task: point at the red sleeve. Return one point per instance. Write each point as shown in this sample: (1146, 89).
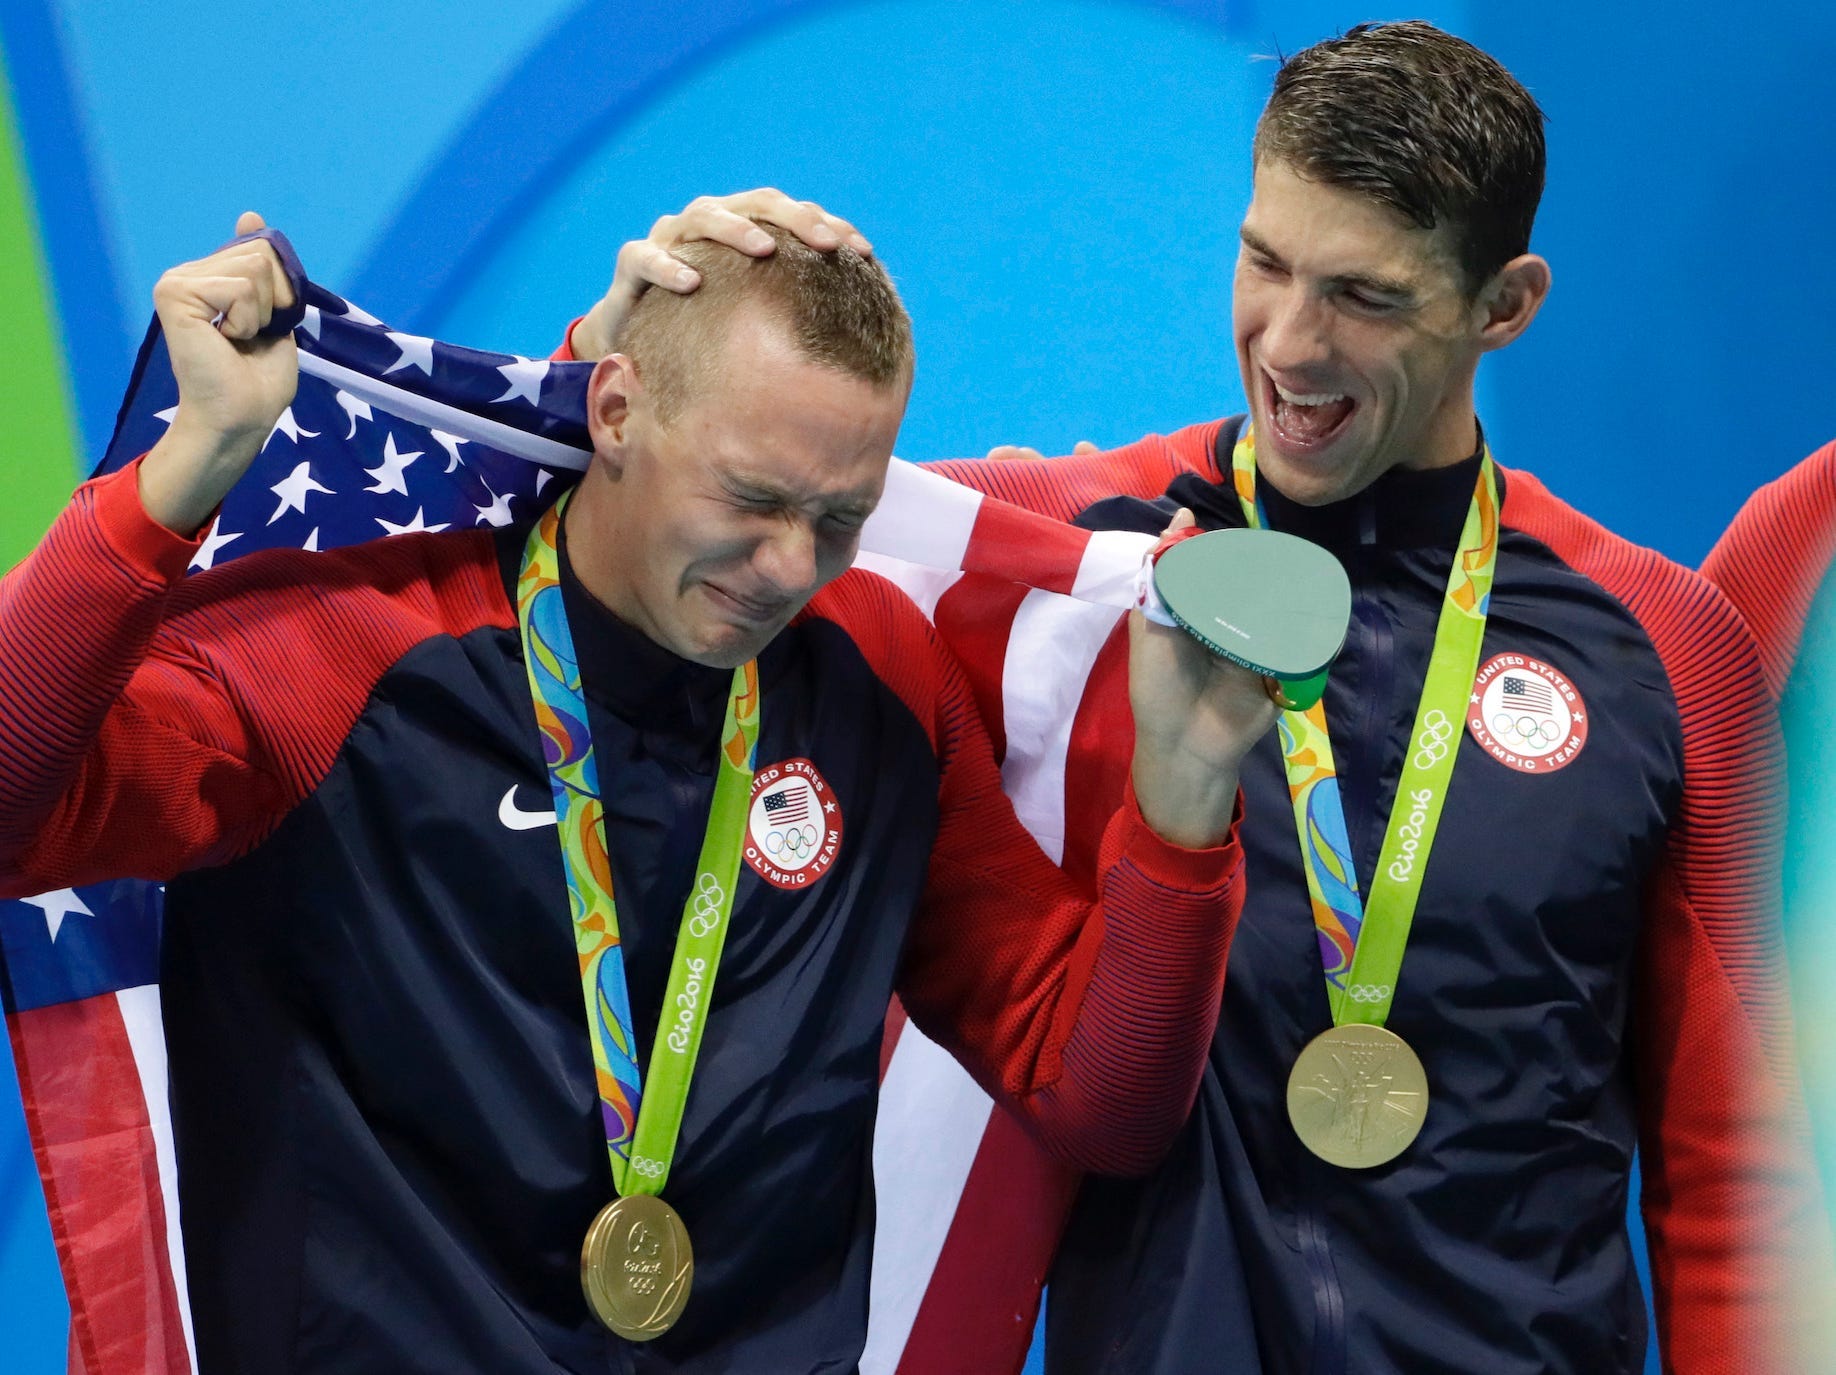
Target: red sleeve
(566, 354)
(1089, 1020)
(151, 723)
(1776, 555)
(1731, 1201)
(1064, 487)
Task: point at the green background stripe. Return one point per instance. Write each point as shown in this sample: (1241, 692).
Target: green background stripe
(39, 466)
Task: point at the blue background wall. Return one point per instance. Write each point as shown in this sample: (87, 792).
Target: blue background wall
(1056, 185)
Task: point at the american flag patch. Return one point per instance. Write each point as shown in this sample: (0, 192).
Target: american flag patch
(1529, 695)
(788, 806)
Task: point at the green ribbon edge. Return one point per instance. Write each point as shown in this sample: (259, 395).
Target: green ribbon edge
(699, 940)
(1389, 908)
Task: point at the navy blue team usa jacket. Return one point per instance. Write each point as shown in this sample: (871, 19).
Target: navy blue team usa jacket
(383, 1095)
(1593, 969)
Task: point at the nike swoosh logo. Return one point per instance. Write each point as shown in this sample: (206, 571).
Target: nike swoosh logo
(517, 819)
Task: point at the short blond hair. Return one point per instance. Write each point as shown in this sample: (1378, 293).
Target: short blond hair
(840, 309)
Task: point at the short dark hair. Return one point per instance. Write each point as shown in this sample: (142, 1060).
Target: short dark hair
(1422, 122)
(840, 309)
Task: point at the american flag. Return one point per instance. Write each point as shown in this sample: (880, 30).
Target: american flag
(393, 432)
(1528, 695)
(788, 806)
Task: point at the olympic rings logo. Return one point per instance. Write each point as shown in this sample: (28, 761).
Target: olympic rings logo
(1526, 729)
(705, 904)
(795, 842)
(1368, 993)
(1431, 745)
(650, 1169)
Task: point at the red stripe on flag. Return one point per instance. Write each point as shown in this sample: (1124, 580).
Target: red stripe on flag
(1010, 543)
(976, 618)
(100, 1171)
(1097, 762)
(983, 1301)
(889, 1038)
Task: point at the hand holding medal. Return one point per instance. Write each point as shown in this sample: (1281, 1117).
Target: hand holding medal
(1198, 710)
(1274, 604)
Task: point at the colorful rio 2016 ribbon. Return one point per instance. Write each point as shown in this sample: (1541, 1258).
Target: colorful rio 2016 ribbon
(1361, 947)
(641, 1122)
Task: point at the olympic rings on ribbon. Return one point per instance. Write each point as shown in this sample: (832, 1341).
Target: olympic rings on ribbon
(1431, 745)
(706, 904)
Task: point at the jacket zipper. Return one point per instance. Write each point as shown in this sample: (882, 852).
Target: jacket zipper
(1376, 656)
(1328, 1357)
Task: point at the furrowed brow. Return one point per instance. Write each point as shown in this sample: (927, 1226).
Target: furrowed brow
(1258, 245)
(765, 493)
(1377, 286)
(754, 489)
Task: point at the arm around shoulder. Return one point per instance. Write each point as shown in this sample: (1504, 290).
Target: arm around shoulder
(1065, 487)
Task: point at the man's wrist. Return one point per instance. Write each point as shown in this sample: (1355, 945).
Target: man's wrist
(184, 477)
(1190, 810)
(584, 340)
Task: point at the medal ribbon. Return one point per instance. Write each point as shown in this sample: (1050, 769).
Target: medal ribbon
(641, 1127)
(1361, 946)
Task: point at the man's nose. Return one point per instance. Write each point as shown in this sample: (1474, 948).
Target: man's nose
(787, 560)
(1297, 334)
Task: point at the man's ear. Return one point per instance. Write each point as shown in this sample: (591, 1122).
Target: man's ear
(612, 391)
(1509, 302)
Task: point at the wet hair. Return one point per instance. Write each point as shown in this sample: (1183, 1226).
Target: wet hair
(839, 309)
(1422, 122)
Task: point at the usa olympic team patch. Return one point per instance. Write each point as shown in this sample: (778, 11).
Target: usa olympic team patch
(794, 830)
(1526, 714)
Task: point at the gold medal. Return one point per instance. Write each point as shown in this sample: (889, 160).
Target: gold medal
(1357, 1095)
(636, 1267)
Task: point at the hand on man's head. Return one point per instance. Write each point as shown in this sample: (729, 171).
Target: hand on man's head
(730, 220)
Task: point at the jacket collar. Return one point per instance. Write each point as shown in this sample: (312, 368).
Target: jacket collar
(1403, 509)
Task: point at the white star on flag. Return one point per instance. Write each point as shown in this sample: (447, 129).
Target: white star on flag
(292, 491)
(416, 353)
(389, 475)
(290, 427)
(525, 378)
(312, 541)
(56, 906)
(311, 323)
(168, 415)
(451, 443)
(543, 477)
(213, 542)
(360, 315)
(497, 513)
(417, 524)
(356, 408)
